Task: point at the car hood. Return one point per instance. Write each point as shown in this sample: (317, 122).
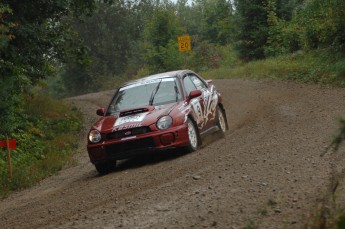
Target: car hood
(127, 119)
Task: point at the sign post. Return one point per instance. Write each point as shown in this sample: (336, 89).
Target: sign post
(184, 45)
(9, 156)
(9, 144)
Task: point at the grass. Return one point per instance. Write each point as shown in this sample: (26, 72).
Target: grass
(271, 203)
(46, 140)
(263, 212)
(326, 216)
(250, 225)
(317, 67)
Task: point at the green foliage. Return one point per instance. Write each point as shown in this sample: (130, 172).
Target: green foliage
(323, 24)
(45, 142)
(117, 50)
(321, 67)
(5, 26)
(283, 36)
(341, 221)
(160, 37)
(39, 37)
(315, 24)
(217, 21)
(112, 35)
(252, 29)
(189, 16)
(32, 41)
(327, 215)
(107, 37)
(206, 55)
(250, 225)
(173, 59)
(11, 89)
(256, 29)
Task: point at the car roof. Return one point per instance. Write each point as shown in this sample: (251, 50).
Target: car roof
(177, 73)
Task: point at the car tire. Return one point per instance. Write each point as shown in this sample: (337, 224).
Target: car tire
(221, 120)
(193, 136)
(105, 168)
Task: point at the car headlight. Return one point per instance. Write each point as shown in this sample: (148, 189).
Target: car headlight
(164, 122)
(94, 136)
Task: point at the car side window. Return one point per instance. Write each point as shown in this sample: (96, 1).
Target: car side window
(200, 85)
(188, 85)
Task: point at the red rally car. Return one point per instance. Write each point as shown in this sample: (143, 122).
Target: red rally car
(159, 112)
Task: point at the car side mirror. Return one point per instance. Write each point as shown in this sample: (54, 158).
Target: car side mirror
(194, 94)
(100, 112)
(208, 82)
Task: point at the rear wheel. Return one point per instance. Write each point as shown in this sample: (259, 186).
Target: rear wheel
(221, 122)
(193, 136)
(106, 167)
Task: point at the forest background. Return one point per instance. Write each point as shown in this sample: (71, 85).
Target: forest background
(51, 50)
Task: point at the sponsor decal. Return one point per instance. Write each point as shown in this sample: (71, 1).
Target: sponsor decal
(210, 100)
(147, 82)
(129, 122)
(128, 126)
(131, 118)
(197, 109)
(210, 103)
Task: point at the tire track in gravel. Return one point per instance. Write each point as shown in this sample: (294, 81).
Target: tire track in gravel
(266, 171)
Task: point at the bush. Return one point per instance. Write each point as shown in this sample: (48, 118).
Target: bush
(321, 67)
(45, 142)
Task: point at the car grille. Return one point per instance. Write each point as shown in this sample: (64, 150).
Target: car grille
(140, 144)
(128, 133)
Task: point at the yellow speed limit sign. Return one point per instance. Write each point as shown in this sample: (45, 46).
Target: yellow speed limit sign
(184, 43)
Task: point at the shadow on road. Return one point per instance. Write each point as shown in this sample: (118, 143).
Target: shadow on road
(149, 158)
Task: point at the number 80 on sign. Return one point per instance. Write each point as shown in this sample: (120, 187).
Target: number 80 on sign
(184, 43)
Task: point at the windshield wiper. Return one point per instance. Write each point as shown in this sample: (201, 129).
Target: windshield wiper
(154, 92)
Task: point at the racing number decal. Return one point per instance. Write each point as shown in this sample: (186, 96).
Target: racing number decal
(197, 108)
(210, 101)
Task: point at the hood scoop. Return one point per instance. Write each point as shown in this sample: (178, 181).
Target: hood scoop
(132, 112)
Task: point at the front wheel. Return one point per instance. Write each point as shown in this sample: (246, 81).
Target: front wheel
(105, 168)
(193, 136)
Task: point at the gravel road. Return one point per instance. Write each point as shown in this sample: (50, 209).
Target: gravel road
(265, 173)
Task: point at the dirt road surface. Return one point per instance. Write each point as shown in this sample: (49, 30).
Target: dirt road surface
(265, 173)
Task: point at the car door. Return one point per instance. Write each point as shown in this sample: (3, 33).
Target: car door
(200, 104)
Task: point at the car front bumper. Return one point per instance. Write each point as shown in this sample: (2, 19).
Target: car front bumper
(118, 149)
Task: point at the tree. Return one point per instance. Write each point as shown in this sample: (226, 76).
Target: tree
(323, 24)
(106, 34)
(252, 29)
(217, 21)
(32, 41)
(284, 36)
(160, 35)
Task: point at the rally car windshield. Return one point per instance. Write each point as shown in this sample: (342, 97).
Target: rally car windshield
(152, 92)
